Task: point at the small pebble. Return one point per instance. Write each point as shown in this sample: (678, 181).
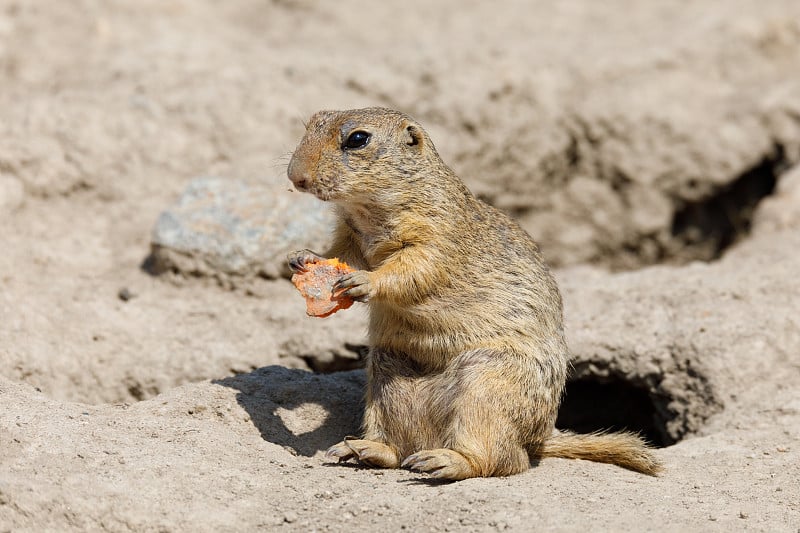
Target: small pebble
(125, 294)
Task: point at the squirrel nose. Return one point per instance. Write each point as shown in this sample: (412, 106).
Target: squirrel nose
(298, 176)
(300, 183)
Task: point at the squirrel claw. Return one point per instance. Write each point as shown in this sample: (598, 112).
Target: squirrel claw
(355, 285)
(367, 452)
(340, 451)
(440, 464)
(298, 260)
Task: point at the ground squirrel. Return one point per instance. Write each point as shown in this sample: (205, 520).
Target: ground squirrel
(467, 359)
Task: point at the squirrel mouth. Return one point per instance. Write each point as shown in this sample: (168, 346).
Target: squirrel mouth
(306, 187)
(321, 194)
(311, 185)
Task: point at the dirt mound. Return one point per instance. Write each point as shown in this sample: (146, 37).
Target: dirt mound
(622, 134)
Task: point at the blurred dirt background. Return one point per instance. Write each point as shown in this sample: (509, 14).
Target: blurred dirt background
(653, 148)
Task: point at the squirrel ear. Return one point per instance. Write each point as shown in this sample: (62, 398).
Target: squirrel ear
(413, 135)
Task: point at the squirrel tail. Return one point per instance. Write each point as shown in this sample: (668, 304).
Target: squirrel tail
(622, 449)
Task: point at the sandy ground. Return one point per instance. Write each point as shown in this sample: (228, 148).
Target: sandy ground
(652, 148)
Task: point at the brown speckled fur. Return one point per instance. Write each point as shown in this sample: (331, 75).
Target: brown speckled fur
(467, 359)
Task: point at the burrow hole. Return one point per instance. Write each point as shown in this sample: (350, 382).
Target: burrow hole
(590, 404)
(707, 227)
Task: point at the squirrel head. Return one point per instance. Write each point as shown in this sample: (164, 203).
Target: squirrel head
(362, 156)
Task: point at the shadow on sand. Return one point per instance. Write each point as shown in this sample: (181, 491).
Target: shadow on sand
(271, 393)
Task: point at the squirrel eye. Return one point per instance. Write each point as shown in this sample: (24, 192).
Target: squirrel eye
(357, 139)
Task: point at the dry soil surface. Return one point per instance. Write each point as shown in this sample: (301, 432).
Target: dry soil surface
(652, 147)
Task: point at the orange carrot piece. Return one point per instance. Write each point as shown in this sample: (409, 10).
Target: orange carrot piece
(316, 286)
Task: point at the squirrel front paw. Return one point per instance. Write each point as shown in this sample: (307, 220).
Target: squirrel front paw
(357, 285)
(298, 260)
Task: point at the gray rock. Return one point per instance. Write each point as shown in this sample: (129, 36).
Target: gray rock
(228, 229)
